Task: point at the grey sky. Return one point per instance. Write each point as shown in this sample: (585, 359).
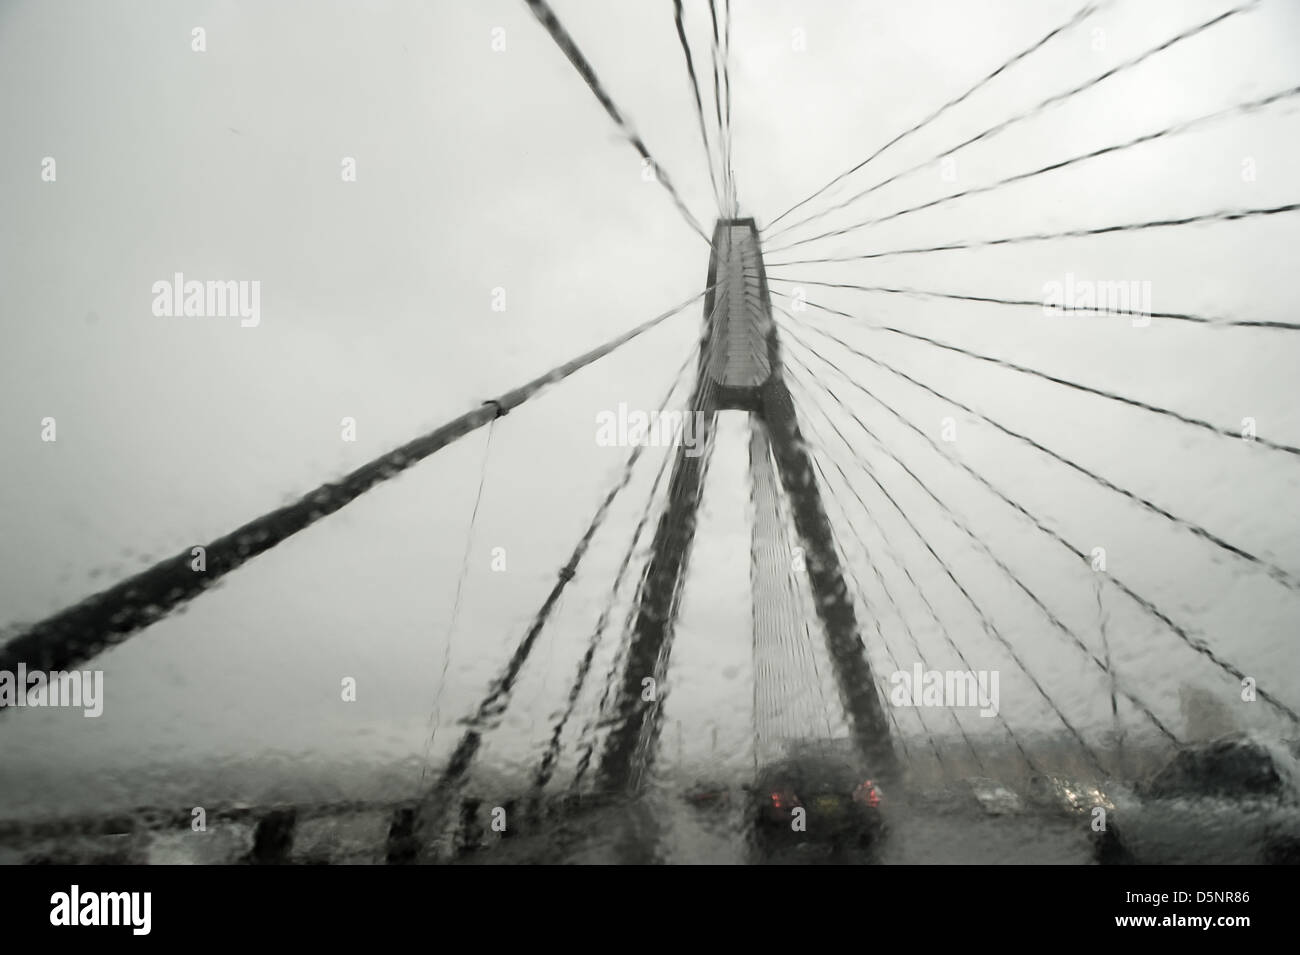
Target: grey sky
(479, 169)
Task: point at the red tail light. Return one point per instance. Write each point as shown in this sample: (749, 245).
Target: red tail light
(784, 800)
(867, 793)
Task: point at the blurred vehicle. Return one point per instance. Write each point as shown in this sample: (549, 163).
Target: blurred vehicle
(1065, 795)
(1230, 801)
(708, 794)
(993, 797)
(815, 800)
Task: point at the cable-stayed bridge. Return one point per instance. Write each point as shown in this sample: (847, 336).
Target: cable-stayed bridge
(873, 583)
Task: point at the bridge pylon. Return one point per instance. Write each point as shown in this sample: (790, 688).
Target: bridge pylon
(739, 368)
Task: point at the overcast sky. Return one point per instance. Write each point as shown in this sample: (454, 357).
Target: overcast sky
(479, 169)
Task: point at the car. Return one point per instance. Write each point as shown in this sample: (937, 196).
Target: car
(815, 801)
(994, 798)
(709, 794)
(1063, 795)
(1233, 800)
